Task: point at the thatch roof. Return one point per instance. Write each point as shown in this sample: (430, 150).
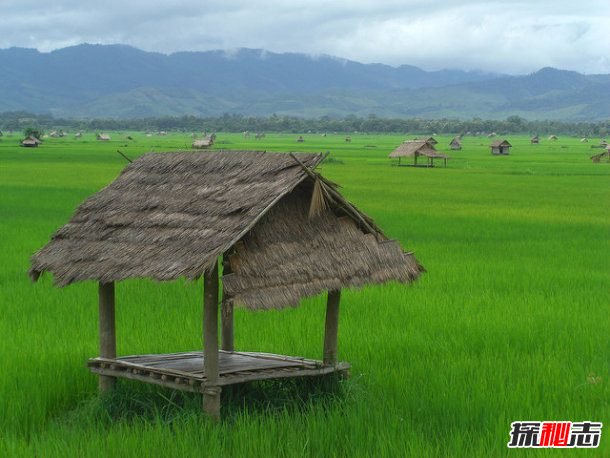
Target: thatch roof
(103, 137)
(429, 140)
(456, 141)
(499, 143)
(170, 215)
(416, 148)
(600, 156)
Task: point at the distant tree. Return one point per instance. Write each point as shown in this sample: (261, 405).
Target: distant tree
(33, 132)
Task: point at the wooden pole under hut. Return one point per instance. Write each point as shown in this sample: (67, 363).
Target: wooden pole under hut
(107, 332)
(211, 390)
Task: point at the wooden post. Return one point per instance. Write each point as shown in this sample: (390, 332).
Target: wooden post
(331, 327)
(211, 392)
(107, 332)
(226, 312)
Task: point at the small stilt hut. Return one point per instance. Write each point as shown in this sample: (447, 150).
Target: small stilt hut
(455, 144)
(30, 142)
(500, 148)
(282, 230)
(417, 149)
(203, 143)
(605, 156)
(535, 140)
(552, 138)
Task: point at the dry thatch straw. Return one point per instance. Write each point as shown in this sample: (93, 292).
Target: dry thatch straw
(287, 231)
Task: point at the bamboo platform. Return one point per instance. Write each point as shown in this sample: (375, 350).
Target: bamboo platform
(184, 371)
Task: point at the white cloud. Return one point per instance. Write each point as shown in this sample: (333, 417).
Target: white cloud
(510, 36)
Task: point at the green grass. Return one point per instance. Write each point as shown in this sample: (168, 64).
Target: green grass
(508, 323)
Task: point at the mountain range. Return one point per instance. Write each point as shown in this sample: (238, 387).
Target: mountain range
(118, 81)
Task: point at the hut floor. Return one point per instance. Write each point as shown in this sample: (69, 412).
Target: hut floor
(184, 371)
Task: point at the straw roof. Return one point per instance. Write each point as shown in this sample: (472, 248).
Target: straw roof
(455, 143)
(416, 148)
(430, 140)
(170, 215)
(103, 137)
(499, 143)
(600, 156)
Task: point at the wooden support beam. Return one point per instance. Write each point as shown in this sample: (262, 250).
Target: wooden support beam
(211, 392)
(226, 312)
(107, 332)
(331, 327)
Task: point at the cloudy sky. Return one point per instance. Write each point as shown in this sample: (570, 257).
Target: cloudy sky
(508, 36)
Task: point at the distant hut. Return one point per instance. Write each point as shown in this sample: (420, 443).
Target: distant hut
(535, 140)
(162, 133)
(203, 143)
(78, 135)
(552, 138)
(429, 140)
(417, 149)
(605, 156)
(53, 134)
(348, 139)
(584, 140)
(103, 137)
(30, 142)
(300, 139)
(246, 134)
(246, 207)
(500, 147)
(455, 144)
(259, 135)
(603, 143)
(324, 134)
(492, 135)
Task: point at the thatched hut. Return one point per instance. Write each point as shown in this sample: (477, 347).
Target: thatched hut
(348, 139)
(283, 232)
(500, 147)
(203, 143)
(605, 156)
(300, 139)
(535, 140)
(455, 144)
(30, 142)
(417, 149)
(78, 135)
(552, 138)
(103, 137)
(584, 140)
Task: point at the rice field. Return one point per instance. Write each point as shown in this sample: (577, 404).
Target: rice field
(510, 322)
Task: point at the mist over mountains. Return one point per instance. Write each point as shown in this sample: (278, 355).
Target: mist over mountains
(118, 81)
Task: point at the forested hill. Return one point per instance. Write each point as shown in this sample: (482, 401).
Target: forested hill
(123, 82)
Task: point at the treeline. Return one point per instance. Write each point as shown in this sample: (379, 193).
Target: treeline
(19, 121)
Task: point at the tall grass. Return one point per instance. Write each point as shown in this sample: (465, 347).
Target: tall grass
(510, 322)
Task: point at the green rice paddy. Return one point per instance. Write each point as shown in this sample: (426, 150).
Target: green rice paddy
(510, 322)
